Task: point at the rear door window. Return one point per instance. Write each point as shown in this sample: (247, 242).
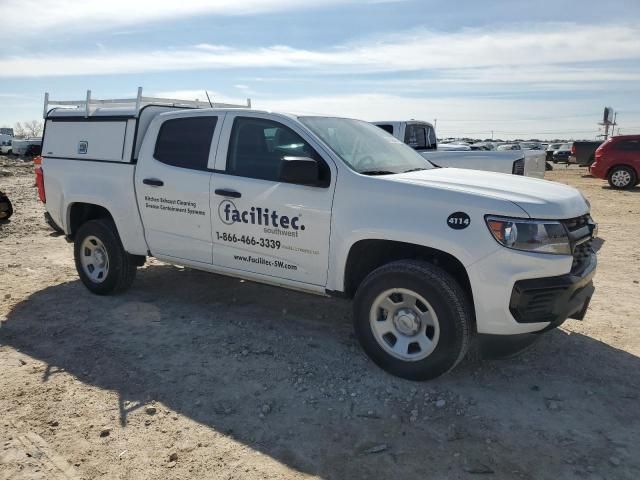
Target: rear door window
(185, 142)
(629, 145)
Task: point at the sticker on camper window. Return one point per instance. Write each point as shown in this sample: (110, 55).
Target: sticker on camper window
(83, 146)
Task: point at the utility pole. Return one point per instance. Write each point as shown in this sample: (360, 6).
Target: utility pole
(491, 134)
(435, 124)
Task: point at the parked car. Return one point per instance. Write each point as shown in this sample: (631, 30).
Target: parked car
(618, 161)
(531, 146)
(583, 153)
(451, 147)
(552, 147)
(22, 146)
(482, 146)
(508, 146)
(5, 144)
(432, 257)
(561, 155)
(33, 150)
(421, 136)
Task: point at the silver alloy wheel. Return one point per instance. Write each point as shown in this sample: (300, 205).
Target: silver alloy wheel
(404, 324)
(621, 178)
(94, 259)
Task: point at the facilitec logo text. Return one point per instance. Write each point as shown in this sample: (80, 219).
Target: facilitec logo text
(229, 215)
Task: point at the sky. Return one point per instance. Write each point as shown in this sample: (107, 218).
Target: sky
(511, 69)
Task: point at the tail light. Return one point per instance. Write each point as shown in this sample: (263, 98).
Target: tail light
(518, 167)
(40, 179)
(598, 155)
(573, 149)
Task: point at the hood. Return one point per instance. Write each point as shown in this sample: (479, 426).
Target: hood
(538, 198)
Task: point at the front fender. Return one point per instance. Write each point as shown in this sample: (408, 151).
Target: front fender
(411, 214)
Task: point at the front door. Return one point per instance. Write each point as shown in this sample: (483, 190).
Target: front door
(263, 225)
(172, 186)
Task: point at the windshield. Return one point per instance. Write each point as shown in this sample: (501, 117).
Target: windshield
(364, 147)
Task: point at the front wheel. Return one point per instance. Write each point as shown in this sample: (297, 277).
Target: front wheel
(101, 261)
(622, 177)
(413, 319)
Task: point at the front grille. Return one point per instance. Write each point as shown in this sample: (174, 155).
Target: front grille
(577, 223)
(580, 234)
(581, 256)
(518, 167)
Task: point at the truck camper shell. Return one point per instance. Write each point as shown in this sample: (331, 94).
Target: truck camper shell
(106, 130)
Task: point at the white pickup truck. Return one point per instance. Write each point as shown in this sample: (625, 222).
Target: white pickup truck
(421, 136)
(432, 257)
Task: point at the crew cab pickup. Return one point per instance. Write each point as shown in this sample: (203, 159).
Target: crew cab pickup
(432, 257)
(421, 136)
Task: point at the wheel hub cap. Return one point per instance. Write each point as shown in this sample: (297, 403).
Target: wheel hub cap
(406, 321)
(94, 259)
(404, 324)
(621, 179)
(100, 257)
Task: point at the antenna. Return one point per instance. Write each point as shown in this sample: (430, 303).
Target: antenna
(207, 93)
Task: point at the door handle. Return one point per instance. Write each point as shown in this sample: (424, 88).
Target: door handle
(154, 182)
(227, 193)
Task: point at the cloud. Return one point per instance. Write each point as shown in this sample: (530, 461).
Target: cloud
(470, 55)
(96, 15)
(508, 118)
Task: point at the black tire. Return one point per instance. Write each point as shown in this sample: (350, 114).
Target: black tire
(6, 208)
(632, 177)
(448, 301)
(122, 265)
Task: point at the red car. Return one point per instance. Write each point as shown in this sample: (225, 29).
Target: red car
(618, 160)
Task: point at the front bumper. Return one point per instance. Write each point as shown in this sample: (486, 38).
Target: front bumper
(493, 282)
(553, 299)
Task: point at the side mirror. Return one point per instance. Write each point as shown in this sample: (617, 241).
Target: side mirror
(300, 170)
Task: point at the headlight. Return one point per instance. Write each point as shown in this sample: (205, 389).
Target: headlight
(541, 236)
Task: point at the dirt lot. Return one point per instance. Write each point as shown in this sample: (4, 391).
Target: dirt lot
(192, 375)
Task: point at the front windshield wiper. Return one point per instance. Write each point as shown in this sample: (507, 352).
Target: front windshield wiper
(414, 170)
(377, 172)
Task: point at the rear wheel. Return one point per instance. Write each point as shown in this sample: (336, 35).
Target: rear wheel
(412, 319)
(622, 177)
(101, 261)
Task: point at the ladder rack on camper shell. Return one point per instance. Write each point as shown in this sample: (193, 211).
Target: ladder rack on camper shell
(137, 102)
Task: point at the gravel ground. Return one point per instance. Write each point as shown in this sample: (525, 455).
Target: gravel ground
(193, 375)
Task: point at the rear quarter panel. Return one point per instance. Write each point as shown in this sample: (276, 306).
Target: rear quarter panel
(109, 185)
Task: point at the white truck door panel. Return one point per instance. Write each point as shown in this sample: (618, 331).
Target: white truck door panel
(172, 187)
(262, 225)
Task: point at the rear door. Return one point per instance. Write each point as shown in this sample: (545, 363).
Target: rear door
(260, 224)
(172, 185)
